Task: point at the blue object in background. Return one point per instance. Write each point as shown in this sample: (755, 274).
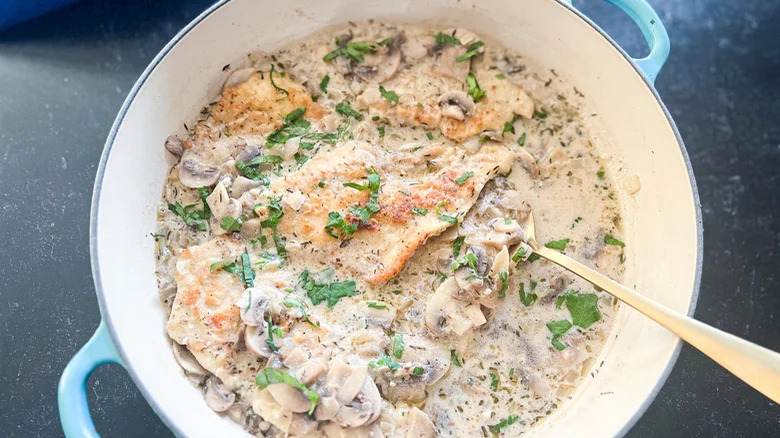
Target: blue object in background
(16, 11)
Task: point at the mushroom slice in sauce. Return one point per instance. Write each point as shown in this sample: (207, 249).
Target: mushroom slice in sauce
(365, 408)
(175, 146)
(289, 398)
(382, 64)
(345, 380)
(253, 305)
(218, 398)
(457, 105)
(444, 314)
(187, 361)
(448, 64)
(193, 173)
(255, 338)
(418, 425)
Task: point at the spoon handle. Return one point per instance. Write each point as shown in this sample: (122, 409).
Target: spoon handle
(757, 366)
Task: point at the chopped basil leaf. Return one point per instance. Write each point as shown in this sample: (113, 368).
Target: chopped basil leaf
(398, 345)
(503, 275)
(472, 51)
(324, 84)
(533, 257)
(493, 381)
(420, 211)
(530, 297)
(191, 216)
(584, 308)
(610, 240)
(521, 139)
(449, 219)
(353, 50)
(294, 125)
(271, 78)
(247, 274)
(320, 291)
(463, 178)
(270, 375)
(475, 92)
(225, 265)
(457, 244)
(558, 329)
(560, 245)
(447, 40)
(376, 305)
(391, 96)
(455, 360)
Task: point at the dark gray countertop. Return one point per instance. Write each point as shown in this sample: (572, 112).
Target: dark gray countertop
(63, 78)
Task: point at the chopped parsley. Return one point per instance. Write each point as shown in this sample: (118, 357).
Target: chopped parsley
(506, 422)
(519, 254)
(457, 244)
(503, 275)
(398, 345)
(508, 127)
(390, 95)
(463, 178)
(247, 274)
(271, 78)
(275, 213)
(559, 245)
(600, 174)
(448, 219)
(420, 211)
(270, 375)
(225, 265)
(272, 330)
(376, 305)
(353, 50)
(494, 381)
(396, 292)
(558, 329)
(346, 110)
(500, 76)
(539, 114)
(469, 259)
(418, 371)
(429, 135)
(455, 360)
(386, 361)
(381, 130)
(475, 92)
(321, 289)
(521, 139)
(192, 216)
(300, 159)
(232, 224)
(324, 84)
(290, 301)
(251, 169)
(447, 40)
(472, 51)
(610, 240)
(293, 125)
(584, 308)
(337, 223)
(528, 298)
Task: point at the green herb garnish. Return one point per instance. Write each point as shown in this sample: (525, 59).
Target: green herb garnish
(391, 96)
(429, 135)
(381, 130)
(191, 216)
(448, 219)
(472, 51)
(539, 114)
(346, 110)
(494, 381)
(232, 224)
(385, 360)
(500, 76)
(353, 50)
(337, 223)
(506, 422)
(475, 92)
(455, 360)
(447, 40)
(376, 305)
(224, 265)
(600, 174)
(463, 178)
(320, 291)
(559, 245)
(521, 139)
(530, 297)
(271, 78)
(398, 345)
(270, 375)
(324, 84)
(558, 329)
(610, 240)
(503, 275)
(418, 371)
(420, 211)
(457, 244)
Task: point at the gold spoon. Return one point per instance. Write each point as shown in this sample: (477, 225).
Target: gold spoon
(757, 366)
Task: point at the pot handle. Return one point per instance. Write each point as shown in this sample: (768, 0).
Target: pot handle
(72, 391)
(654, 31)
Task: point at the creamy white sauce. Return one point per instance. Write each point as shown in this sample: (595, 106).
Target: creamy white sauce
(571, 199)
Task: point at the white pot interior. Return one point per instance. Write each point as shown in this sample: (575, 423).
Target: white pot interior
(661, 216)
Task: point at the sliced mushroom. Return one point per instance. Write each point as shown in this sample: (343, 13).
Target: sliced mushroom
(255, 338)
(500, 263)
(334, 430)
(187, 361)
(382, 64)
(194, 173)
(289, 398)
(237, 77)
(449, 67)
(175, 146)
(444, 314)
(503, 233)
(222, 205)
(365, 408)
(418, 425)
(529, 162)
(302, 425)
(218, 398)
(251, 228)
(345, 380)
(382, 315)
(247, 153)
(327, 408)
(253, 305)
(457, 105)
(405, 384)
(242, 185)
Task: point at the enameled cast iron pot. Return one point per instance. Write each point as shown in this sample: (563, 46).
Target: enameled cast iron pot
(662, 221)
